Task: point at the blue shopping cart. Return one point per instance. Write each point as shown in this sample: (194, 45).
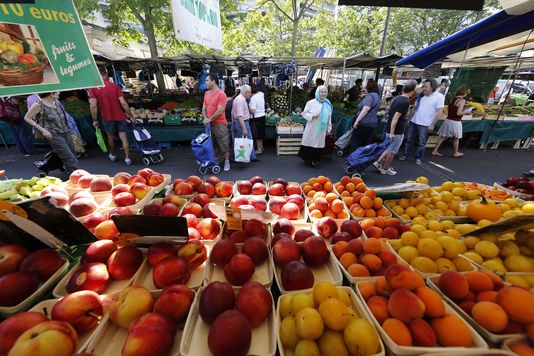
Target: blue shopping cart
(202, 147)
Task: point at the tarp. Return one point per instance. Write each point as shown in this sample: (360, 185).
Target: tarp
(436, 4)
(499, 34)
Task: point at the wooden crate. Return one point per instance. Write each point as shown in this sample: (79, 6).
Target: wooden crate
(288, 144)
(432, 140)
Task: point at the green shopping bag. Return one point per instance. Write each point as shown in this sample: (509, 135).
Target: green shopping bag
(100, 140)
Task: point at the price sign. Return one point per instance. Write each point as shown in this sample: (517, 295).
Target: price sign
(233, 219)
(168, 68)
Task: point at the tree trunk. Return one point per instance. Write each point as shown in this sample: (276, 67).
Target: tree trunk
(295, 34)
(152, 44)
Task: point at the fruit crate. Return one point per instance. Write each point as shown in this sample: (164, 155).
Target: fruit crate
(478, 344)
(355, 304)
(486, 334)
(108, 339)
(329, 272)
(508, 344)
(43, 288)
(288, 144)
(45, 307)
(115, 286)
(194, 341)
(431, 141)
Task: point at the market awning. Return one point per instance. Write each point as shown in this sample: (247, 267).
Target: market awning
(426, 4)
(499, 34)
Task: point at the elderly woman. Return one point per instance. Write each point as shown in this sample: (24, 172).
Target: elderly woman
(452, 127)
(52, 125)
(318, 114)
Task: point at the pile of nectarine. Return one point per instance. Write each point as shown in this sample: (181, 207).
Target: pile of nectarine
(291, 207)
(280, 187)
(410, 313)
(253, 186)
(498, 308)
(317, 184)
(321, 204)
(364, 258)
(212, 186)
(361, 201)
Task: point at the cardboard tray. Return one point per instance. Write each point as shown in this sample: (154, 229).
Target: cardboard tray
(515, 340)
(114, 287)
(194, 340)
(329, 272)
(262, 274)
(356, 305)
(135, 208)
(43, 288)
(478, 343)
(45, 307)
(109, 339)
(486, 334)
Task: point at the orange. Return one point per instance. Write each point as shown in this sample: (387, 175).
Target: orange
(347, 259)
(358, 270)
(397, 331)
(490, 316)
(366, 202)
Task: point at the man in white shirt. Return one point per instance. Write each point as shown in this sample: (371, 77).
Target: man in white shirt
(427, 111)
(257, 117)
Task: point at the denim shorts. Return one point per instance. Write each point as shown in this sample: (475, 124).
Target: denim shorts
(115, 126)
(396, 143)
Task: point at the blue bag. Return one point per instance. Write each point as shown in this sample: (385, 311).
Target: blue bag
(364, 156)
(202, 147)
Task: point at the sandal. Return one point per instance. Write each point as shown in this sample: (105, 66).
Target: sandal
(458, 155)
(437, 154)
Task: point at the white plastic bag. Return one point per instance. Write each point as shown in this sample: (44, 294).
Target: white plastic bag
(242, 149)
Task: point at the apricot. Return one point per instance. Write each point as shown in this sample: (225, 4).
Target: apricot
(347, 259)
(518, 303)
(371, 261)
(522, 349)
(478, 281)
(397, 331)
(355, 246)
(378, 306)
(434, 306)
(487, 295)
(490, 316)
(405, 305)
(399, 276)
(497, 281)
(367, 223)
(530, 331)
(339, 248)
(451, 331)
(467, 306)
(422, 333)
(367, 289)
(358, 270)
(382, 287)
(453, 284)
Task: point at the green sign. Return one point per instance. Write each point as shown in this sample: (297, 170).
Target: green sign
(43, 48)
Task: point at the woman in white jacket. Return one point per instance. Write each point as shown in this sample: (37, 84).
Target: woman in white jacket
(318, 114)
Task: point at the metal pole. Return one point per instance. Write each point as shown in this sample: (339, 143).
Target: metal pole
(384, 37)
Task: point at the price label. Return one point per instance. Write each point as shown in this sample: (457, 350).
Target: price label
(233, 219)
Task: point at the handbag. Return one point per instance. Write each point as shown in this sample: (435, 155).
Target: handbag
(100, 140)
(242, 149)
(9, 112)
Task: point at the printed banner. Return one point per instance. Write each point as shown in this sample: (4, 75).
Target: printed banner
(197, 21)
(43, 48)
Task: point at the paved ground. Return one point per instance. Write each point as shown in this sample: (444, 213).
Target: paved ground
(483, 166)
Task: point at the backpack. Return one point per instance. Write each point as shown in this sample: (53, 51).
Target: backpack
(9, 112)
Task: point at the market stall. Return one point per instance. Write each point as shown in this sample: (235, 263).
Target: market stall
(337, 252)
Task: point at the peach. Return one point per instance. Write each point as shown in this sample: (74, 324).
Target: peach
(397, 331)
(399, 276)
(290, 211)
(518, 303)
(422, 333)
(467, 306)
(195, 181)
(378, 306)
(355, 246)
(183, 188)
(82, 207)
(139, 189)
(372, 244)
(453, 284)
(451, 331)
(106, 230)
(434, 306)
(478, 281)
(405, 305)
(192, 208)
(391, 232)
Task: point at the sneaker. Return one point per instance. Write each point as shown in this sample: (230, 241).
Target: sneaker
(378, 165)
(403, 158)
(112, 158)
(382, 170)
(226, 165)
(418, 161)
(127, 161)
(390, 171)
